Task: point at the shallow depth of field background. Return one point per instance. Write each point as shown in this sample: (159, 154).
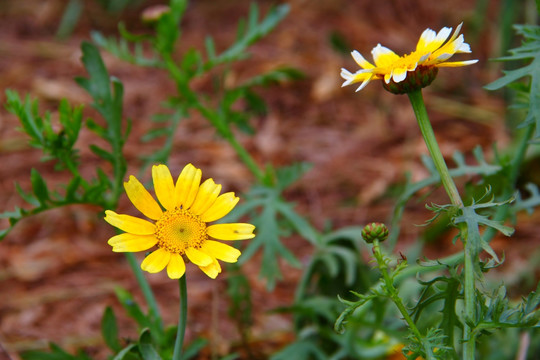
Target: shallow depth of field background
(57, 272)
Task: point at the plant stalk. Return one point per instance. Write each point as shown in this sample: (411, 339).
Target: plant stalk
(182, 320)
(392, 291)
(420, 111)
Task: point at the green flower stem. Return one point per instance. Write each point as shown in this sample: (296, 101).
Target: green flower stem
(246, 158)
(420, 111)
(182, 320)
(146, 289)
(392, 291)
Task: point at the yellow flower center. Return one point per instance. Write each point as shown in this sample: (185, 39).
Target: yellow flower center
(178, 230)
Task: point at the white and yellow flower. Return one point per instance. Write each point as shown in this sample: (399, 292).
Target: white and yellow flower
(420, 67)
(180, 226)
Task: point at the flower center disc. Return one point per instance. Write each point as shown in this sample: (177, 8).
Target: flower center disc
(178, 230)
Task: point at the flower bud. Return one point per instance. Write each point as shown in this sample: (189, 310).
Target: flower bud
(152, 14)
(374, 231)
(421, 77)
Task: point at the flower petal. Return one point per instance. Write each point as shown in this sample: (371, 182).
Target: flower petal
(383, 56)
(221, 207)
(364, 64)
(176, 268)
(141, 198)
(198, 257)
(130, 224)
(156, 261)
(212, 270)
(425, 39)
(457, 63)
(187, 186)
(221, 251)
(399, 74)
(132, 243)
(236, 231)
(364, 83)
(164, 186)
(207, 195)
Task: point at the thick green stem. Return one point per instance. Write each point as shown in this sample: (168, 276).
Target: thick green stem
(420, 111)
(182, 320)
(392, 291)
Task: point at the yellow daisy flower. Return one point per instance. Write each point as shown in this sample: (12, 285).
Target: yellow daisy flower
(180, 226)
(419, 67)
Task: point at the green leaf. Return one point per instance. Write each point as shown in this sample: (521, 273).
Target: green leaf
(122, 354)
(121, 49)
(300, 350)
(530, 49)
(57, 353)
(461, 169)
(250, 34)
(146, 348)
(300, 224)
(474, 220)
(268, 237)
(132, 308)
(70, 18)
(71, 190)
(287, 175)
(210, 48)
(109, 329)
(98, 84)
(530, 202)
(168, 29)
(102, 153)
(39, 187)
(194, 347)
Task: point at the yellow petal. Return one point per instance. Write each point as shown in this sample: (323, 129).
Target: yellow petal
(212, 270)
(364, 64)
(236, 231)
(156, 261)
(198, 257)
(457, 63)
(426, 38)
(131, 243)
(221, 251)
(130, 224)
(164, 186)
(176, 267)
(383, 56)
(141, 198)
(221, 207)
(187, 186)
(207, 195)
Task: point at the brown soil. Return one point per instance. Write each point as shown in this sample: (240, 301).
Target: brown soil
(57, 273)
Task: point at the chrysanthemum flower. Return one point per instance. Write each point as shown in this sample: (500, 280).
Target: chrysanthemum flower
(414, 71)
(180, 226)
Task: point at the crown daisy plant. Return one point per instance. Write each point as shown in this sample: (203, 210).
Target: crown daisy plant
(179, 228)
(408, 74)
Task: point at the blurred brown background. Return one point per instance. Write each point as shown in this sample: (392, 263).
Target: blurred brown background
(57, 272)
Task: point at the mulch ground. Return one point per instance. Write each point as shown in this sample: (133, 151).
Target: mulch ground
(57, 273)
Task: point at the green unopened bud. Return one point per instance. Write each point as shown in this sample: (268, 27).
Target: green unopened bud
(374, 231)
(415, 80)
